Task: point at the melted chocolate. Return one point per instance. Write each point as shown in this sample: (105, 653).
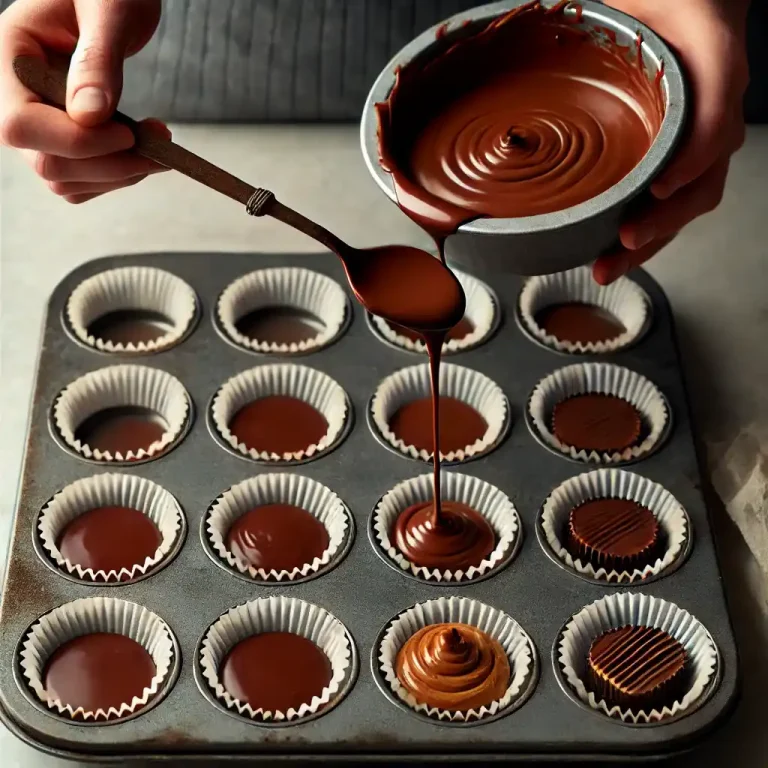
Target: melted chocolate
(596, 422)
(463, 538)
(126, 326)
(459, 331)
(122, 429)
(455, 667)
(277, 536)
(637, 667)
(460, 424)
(280, 325)
(576, 323)
(98, 671)
(279, 424)
(275, 671)
(109, 538)
(615, 534)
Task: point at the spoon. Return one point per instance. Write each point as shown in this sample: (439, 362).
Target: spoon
(402, 284)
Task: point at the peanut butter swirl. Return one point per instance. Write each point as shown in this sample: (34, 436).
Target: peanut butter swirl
(455, 667)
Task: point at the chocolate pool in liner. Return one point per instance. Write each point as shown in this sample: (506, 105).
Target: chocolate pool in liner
(471, 387)
(121, 386)
(599, 378)
(482, 311)
(521, 652)
(109, 490)
(623, 299)
(277, 614)
(307, 292)
(96, 615)
(673, 521)
(480, 496)
(307, 384)
(138, 290)
(571, 650)
(279, 488)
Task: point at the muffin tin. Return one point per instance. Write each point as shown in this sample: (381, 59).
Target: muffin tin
(358, 588)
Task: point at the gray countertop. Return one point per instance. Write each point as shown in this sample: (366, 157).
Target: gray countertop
(714, 275)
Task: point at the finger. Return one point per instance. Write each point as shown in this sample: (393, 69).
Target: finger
(77, 199)
(115, 167)
(78, 188)
(612, 266)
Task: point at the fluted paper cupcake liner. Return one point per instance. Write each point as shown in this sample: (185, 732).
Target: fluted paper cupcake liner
(623, 299)
(471, 387)
(460, 610)
(615, 484)
(481, 311)
(105, 491)
(119, 386)
(276, 614)
(276, 488)
(91, 615)
(291, 287)
(480, 496)
(313, 387)
(132, 288)
(635, 609)
(606, 379)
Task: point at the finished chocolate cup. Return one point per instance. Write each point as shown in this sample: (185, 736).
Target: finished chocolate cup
(236, 666)
(122, 413)
(571, 313)
(479, 322)
(137, 524)
(98, 659)
(623, 609)
(637, 399)
(283, 310)
(521, 656)
(673, 527)
(474, 412)
(481, 497)
(278, 527)
(281, 413)
(131, 310)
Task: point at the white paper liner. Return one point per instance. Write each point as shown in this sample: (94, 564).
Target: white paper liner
(598, 378)
(632, 608)
(275, 488)
(623, 299)
(276, 614)
(137, 288)
(86, 616)
(500, 626)
(116, 386)
(105, 491)
(471, 387)
(614, 484)
(483, 497)
(480, 311)
(291, 287)
(313, 387)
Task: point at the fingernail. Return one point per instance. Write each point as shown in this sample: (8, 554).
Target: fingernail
(663, 191)
(90, 99)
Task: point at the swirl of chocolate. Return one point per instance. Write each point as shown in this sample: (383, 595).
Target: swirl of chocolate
(455, 540)
(455, 667)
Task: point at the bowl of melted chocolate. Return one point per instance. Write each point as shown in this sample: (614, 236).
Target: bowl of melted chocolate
(516, 133)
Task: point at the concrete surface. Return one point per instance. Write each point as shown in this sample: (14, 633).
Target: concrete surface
(714, 275)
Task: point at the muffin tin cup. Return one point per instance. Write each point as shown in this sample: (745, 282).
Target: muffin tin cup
(278, 488)
(312, 386)
(89, 615)
(284, 287)
(552, 525)
(519, 647)
(483, 497)
(110, 490)
(633, 608)
(277, 614)
(482, 310)
(623, 299)
(120, 386)
(606, 379)
(413, 383)
(132, 288)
